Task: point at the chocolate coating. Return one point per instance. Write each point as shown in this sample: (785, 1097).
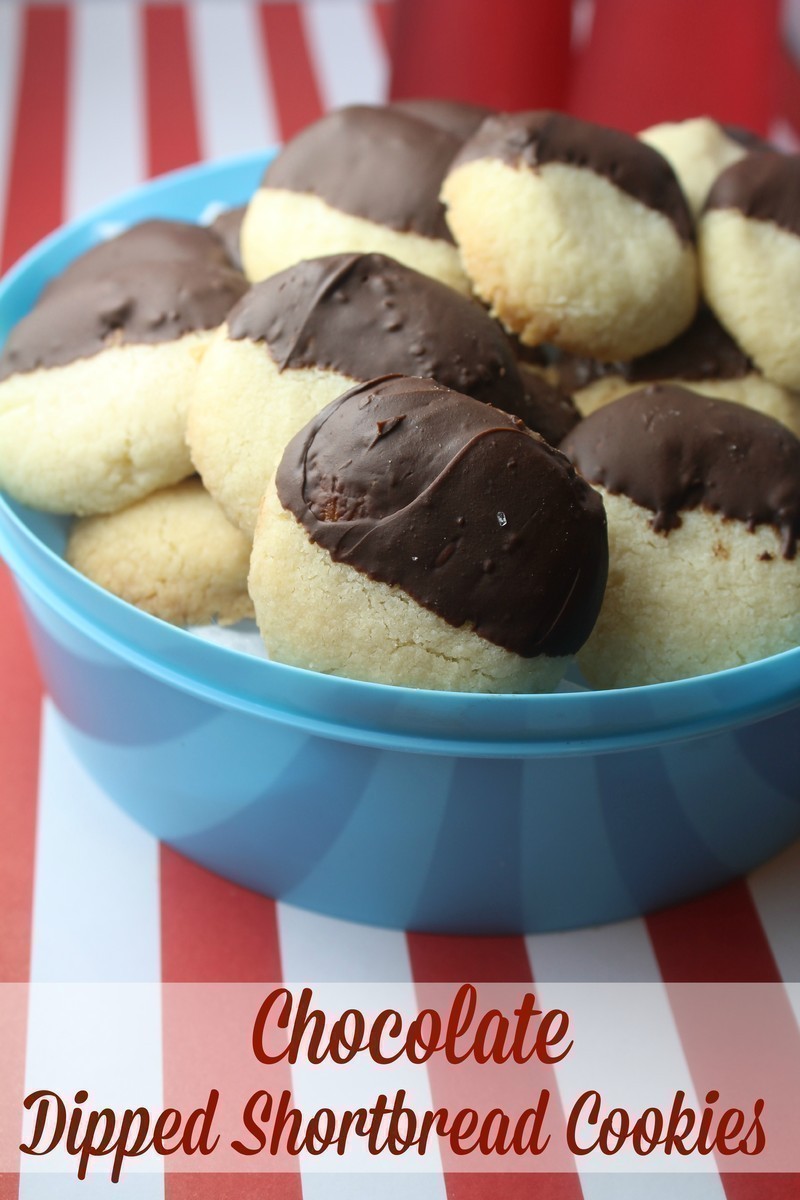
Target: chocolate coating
(365, 315)
(534, 139)
(703, 351)
(376, 163)
(746, 137)
(228, 228)
(459, 505)
(671, 450)
(149, 241)
(764, 186)
(547, 410)
(453, 116)
(145, 302)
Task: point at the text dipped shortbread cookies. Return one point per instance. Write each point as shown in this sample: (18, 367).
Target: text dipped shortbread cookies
(574, 234)
(299, 339)
(418, 537)
(359, 179)
(703, 504)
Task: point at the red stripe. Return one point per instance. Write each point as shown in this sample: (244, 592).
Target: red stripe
(667, 60)
(34, 207)
(173, 138)
(787, 89)
(383, 12)
(36, 177)
(438, 960)
(508, 56)
(719, 938)
(297, 97)
(215, 932)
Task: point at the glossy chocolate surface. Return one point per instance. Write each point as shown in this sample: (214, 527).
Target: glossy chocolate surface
(457, 504)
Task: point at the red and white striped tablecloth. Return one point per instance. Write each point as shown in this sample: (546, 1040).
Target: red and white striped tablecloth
(94, 97)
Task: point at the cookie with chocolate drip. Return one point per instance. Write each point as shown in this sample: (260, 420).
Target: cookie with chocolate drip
(446, 544)
(703, 504)
(574, 234)
(360, 179)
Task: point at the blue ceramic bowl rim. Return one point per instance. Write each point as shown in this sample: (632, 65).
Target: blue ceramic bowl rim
(372, 714)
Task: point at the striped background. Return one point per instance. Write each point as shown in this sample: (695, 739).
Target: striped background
(95, 97)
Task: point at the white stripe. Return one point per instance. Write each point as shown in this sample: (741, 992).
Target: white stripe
(96, 897)
(95, 1008)
(235, 104)
(10, 55)
(629, 996)
(105, 147)
(347, 52)
(776, 891)
(336, 957)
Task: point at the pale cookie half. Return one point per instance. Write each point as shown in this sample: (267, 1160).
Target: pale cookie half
(172, 554)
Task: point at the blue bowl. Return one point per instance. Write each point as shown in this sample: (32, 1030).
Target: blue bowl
(419, 810)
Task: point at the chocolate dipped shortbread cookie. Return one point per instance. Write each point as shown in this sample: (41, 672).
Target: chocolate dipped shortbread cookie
(699, 150)
(359, 179)
(415, 536)
(574, 234)
(95, 381)
(749, 239)
(703, 504)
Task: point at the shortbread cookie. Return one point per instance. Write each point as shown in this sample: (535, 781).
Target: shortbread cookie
(699, 150)
(703, 503)
(574, 234)
(155, 241)
(417, 537)
(172, 554)
(453, 116)
(95, 384)
(750, 259)
(300, 338)
(359, 179)
(705, 357)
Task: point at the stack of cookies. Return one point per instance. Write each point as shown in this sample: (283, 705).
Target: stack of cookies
(409, 374)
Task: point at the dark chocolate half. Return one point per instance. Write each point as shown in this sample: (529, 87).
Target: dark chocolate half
(764, 186)
(149, 241)
(547, 409)
(376, 163)
(746, 137)
(702, 352)
(228, 228)
(533, 139)
(671, 450)
(458, 504)
(142, 302)
(453, 116)
(365, 315)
